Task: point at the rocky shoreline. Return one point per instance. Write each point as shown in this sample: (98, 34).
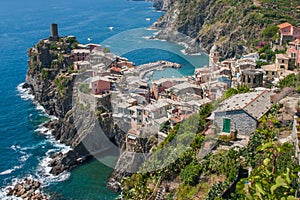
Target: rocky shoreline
(195, 32)
(27, 189)
(42, 80)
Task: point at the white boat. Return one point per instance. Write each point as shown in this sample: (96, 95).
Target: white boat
(111, 28)
(148, 19)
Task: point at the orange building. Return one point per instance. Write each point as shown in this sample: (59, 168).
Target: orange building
(288, 32)
(100, 85)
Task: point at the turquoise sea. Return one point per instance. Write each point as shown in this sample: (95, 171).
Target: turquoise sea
(24, 150)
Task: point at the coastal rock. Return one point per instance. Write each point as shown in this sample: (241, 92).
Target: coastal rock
(27, 189)
(74, 127)
(128, 163)
(232, 27)
(162, 5)
(25, 86)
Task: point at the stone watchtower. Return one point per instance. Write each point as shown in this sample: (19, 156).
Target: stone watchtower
(53, 32)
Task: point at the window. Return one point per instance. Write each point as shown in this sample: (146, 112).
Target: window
(282, 61)
(273, 73)
(226, 125)
(293, 55)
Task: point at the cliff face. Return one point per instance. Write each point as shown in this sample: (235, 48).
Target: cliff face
(162, 5)
(235, 27)
(76, 124)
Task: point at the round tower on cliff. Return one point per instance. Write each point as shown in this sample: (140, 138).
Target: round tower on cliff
(53, 32)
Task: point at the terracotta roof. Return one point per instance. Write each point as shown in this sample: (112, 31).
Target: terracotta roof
(284, 25)
(115, 69)
(175, 120)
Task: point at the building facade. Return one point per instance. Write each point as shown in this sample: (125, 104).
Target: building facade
(293, 51)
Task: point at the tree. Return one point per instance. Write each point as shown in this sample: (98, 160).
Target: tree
(230, 92)
(190, 174)
(291, 80)
(271, 32)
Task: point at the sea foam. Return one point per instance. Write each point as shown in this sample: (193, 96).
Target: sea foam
(24, 93)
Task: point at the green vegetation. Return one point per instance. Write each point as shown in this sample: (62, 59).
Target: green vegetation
(54, 64)
(261, 63)
(73, 42)
(239, 90)
(62, 83)
(190, 174)
(275, 177)
(45, 74)
(291, 80)
(274, 174)
(106, 50)
(242, 22)
(266, 53)
(176, 156)
(271, 32)
(53, 46)
(71, 69)
(84, 88)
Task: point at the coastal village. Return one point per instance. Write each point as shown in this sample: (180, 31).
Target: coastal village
(142, 107)
(145, 108)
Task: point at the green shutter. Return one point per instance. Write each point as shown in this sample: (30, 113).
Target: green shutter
(226, 125)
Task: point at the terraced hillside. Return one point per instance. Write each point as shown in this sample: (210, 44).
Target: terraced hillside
(234, 26)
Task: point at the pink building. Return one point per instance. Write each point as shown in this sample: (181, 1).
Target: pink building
(100, 85)
(288, 32)
(293, 51)
(80, 54)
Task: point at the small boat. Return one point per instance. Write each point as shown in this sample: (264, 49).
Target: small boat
(148, 19)
(111, 28)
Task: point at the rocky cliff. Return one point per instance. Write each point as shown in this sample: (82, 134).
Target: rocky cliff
(234, 27)
(162, 5)
(52, 83)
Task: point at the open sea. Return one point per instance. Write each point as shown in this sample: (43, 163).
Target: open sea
(120, 25)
